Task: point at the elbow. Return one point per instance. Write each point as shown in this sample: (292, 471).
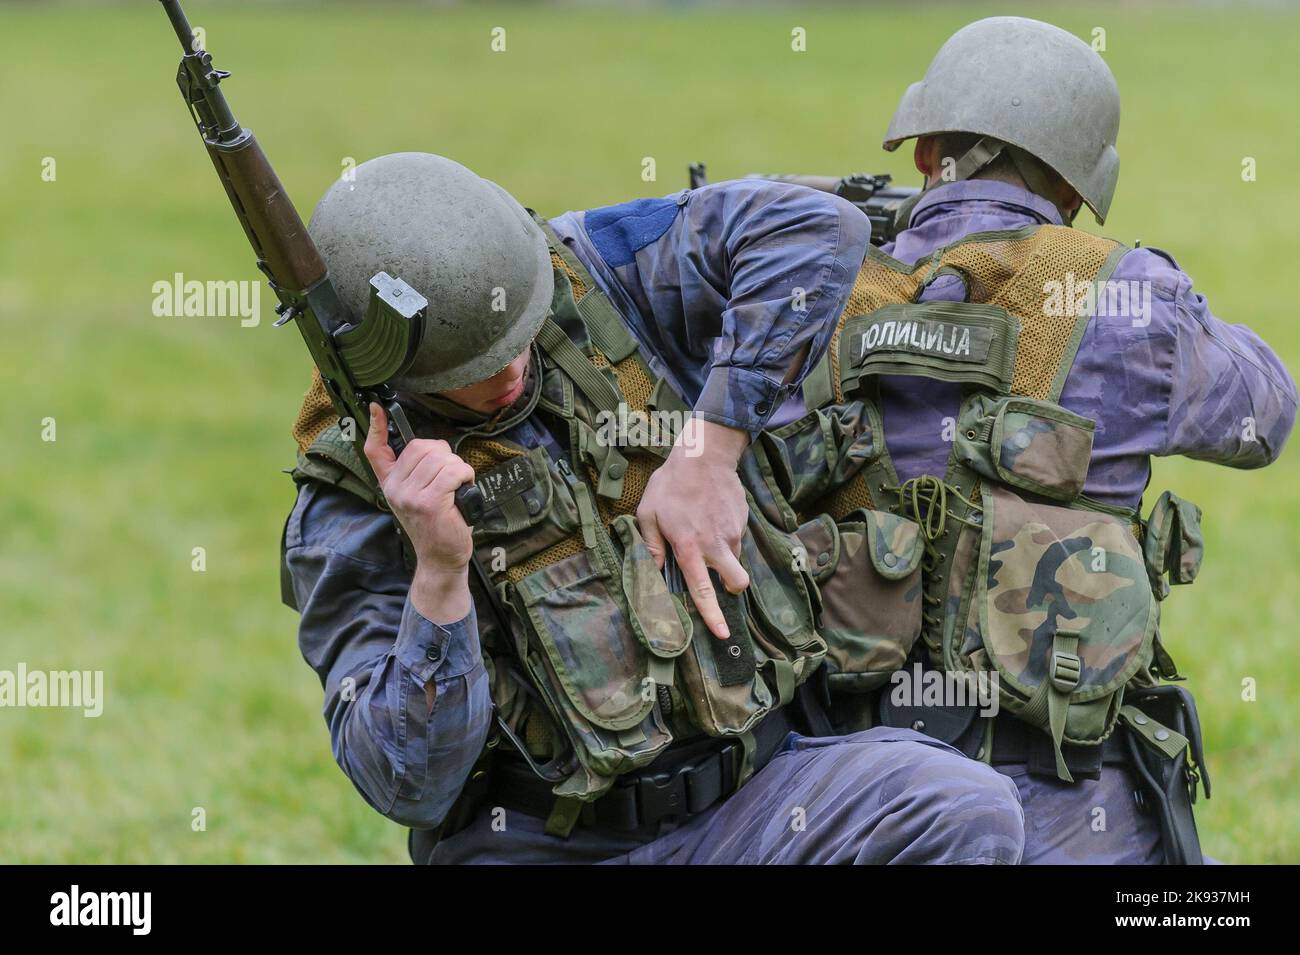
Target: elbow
(398, 794)
(421, 813)
(414, 777)
(855, 229)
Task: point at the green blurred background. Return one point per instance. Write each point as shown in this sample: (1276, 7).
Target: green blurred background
(171, 431)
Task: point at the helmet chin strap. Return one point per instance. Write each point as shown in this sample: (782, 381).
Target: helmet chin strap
(980, 156)
(488, 425)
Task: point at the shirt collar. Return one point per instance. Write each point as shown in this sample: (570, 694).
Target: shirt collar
(937, 202)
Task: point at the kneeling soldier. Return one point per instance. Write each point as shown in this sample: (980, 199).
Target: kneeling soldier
(613, 663)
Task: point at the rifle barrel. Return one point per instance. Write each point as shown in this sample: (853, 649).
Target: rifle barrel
(180, 24)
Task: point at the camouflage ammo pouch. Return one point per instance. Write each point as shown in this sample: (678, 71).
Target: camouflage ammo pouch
(774, 646)
(1059, 603)
(612, 650)
(867, 564)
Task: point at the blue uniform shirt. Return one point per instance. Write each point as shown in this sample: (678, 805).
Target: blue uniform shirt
(722, 286)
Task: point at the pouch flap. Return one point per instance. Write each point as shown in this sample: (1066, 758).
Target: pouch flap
(517, 494)
(894, 543)
(582, 625)
(821, 450)
(1173, 544)
(1042, 448)
(820, 539)
(778, 593)
(1048, 571)
(659, 619)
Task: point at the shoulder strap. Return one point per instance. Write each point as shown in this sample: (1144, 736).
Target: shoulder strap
(604, 323)
(333, 459)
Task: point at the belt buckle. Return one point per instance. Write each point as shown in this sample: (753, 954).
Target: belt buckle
(662, 795)
(687, 790)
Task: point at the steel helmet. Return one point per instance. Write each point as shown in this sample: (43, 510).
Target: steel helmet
(459, 240)
(1026, 84)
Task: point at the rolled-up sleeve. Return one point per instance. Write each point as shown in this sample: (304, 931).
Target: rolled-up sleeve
(406, 700)
(1231, 400)
(727, 285)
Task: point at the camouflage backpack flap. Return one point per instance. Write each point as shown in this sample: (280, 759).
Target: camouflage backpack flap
(1066, 613)
(811, 457)
(1173, 546)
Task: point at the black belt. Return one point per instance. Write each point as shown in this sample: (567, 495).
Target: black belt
(684, 781)
(1015, 741)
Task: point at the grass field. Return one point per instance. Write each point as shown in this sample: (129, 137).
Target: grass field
(170, 431)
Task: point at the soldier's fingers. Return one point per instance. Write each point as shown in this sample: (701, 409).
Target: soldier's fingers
(696, 574)
(426, 469)
(733, 575)
(378, 453)
(415, 452)
(451, 475)
(654, 541)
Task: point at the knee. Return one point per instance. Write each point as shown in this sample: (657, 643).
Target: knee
(956, 810)
(932, 805)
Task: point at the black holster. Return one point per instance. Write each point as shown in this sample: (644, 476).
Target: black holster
(1168, 786)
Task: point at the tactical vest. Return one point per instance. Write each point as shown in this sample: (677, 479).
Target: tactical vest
(603, 665)
(1022, 576)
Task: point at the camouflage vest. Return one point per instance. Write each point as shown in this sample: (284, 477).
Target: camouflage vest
(1022, 575)
(603, 666)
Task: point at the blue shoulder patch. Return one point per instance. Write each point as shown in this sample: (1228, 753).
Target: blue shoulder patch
(619, 231)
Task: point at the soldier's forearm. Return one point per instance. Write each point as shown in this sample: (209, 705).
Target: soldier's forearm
(440, 595)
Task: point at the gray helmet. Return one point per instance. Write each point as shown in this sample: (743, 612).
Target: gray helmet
(1029, 85)
(460, 241)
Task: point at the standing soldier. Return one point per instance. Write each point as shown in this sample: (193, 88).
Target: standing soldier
(566, 681)
(1003, 380)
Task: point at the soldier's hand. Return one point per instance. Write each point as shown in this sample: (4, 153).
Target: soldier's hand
(420, 487)
(695, 504)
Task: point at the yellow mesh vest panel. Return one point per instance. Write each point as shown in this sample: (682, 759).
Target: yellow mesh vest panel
(1010, 273)
(316, 414)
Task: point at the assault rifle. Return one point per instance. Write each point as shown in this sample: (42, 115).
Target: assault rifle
(878, 200)
(357, 355)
